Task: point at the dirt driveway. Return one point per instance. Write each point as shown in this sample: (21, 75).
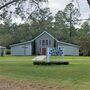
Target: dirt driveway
(22, 85)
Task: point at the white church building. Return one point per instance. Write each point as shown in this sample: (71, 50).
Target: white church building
(38, 46)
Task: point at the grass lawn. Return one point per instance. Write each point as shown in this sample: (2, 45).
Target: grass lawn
(75, 76)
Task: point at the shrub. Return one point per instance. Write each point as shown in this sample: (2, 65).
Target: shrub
(51, 63)
(8, 52)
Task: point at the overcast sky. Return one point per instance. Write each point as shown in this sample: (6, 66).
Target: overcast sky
(56, 5)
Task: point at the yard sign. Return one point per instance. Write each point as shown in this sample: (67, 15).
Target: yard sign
(58, 51)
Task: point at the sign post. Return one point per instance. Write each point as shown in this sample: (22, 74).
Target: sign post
(48, 54)
(62, 54)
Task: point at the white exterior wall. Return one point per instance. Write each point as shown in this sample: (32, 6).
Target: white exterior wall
(29, 49)
(70, 50)
(45, 37)
(19, 50)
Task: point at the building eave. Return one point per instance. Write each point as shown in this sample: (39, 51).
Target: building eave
(1, 47)
(68, 44)
(21, 43)
(33, 39)
(41, 35)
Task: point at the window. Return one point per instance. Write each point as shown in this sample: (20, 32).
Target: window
(43, 42)
(49, 42)
(46, 42)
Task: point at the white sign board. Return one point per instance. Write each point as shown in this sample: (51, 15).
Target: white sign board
(58, 51)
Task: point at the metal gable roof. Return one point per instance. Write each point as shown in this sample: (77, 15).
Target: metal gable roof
(41, 35)
(68, 44)
(2, 47)
(20, 43)
(33, 39)
(46, 33)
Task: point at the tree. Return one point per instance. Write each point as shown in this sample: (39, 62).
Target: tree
(65, 21)
(83, 38)
(60, 26)
(5, 35)
(5, 3)
(72, 15)
(21, 8)
(21, 32)
(40, 20)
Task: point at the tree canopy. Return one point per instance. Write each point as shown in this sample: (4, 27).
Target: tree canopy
(39, 19)
(22, 8)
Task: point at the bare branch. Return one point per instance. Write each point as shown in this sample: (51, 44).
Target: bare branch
(88, 2)
(8, 4)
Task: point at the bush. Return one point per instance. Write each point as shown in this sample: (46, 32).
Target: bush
(8, 52)
(51, 63)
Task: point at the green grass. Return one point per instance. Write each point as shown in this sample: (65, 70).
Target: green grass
(75, 76)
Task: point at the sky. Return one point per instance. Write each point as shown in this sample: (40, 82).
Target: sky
(56, 5)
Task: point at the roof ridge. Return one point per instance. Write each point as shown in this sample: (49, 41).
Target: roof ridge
(42, 34)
